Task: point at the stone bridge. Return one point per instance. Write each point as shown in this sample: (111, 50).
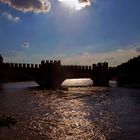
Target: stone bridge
(50, 73)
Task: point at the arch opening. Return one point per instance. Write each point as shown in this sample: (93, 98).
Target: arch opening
(16, 76)
(77, 82)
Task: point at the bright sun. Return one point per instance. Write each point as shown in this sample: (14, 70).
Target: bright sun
(76, 4)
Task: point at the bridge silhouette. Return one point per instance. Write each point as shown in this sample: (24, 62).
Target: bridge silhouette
(51, 73)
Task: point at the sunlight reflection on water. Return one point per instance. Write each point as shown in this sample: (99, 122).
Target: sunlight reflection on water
(85, 113)
(78, 82)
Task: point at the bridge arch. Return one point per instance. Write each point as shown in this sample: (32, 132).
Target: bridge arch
(15, 76)
(83, 82)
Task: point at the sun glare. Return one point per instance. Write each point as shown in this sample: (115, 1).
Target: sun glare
(76, 4)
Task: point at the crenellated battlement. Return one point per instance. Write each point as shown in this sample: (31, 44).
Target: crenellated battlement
(100, 66)
(50, 62)
(77, 67)
(20, 65)
(56, 63)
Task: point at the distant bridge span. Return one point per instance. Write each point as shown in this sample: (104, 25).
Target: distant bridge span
(50, 74)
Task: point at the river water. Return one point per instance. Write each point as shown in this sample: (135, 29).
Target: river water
(79, 113)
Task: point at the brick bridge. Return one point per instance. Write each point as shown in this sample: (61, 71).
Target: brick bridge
(50, 73)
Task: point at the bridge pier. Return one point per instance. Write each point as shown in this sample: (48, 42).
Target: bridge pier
(99, 82)
(101, 74)
(50, 83)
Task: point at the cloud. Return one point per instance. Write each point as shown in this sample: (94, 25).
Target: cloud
(36, 6)
(138, 49)
(25, 45)
(20, 56)
(10, 17)
(114, 58)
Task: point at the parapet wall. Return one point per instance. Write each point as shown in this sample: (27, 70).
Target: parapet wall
(57, 63)
(98, 66)
(76, 67)
(51, 62)
(19, 65)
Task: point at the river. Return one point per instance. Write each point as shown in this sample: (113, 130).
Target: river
(79, 113)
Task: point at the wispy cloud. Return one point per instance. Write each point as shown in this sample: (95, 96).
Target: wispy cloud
(36, 6)
(114, 58)
(138, 49)
(10, 17)
(20, 56)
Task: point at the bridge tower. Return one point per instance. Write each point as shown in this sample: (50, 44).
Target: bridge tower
(50, 74)
(101, 74)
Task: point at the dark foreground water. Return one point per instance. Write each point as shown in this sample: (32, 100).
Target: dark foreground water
(84, 113)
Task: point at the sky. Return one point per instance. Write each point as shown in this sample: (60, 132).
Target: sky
(77, 33)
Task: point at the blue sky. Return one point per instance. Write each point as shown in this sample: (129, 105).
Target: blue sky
(107, 30)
